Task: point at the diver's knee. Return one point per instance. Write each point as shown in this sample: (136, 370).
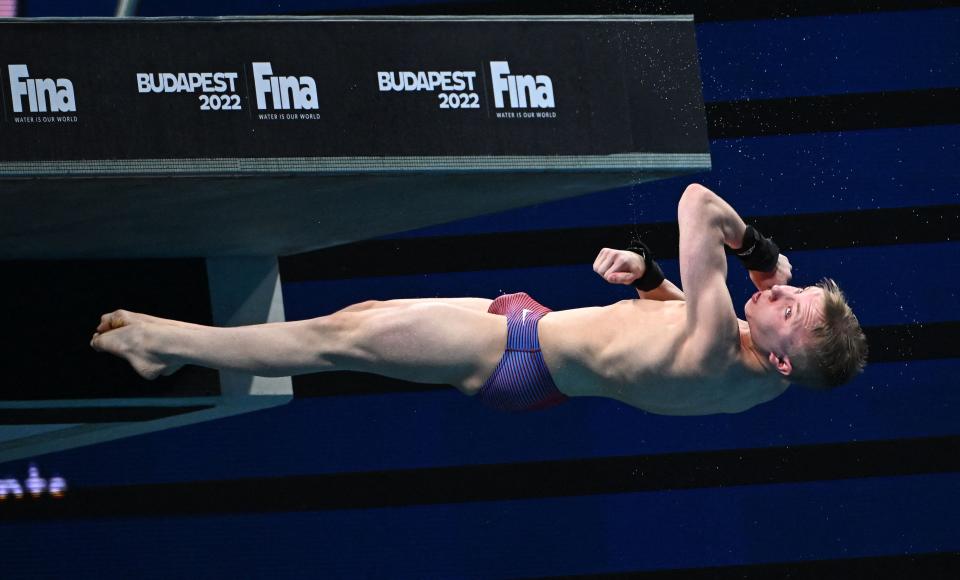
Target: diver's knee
(361, 306)
(362, 335)
(367, 304)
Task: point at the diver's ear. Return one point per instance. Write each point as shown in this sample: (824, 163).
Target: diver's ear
(783, 364)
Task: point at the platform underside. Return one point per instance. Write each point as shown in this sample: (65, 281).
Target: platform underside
(179, 217)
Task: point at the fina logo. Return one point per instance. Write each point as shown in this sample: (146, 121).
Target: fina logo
(525, 91)
(285, 92)
(55, 96)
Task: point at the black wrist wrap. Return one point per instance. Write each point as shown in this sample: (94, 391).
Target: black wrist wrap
(653, 275)
(757, 253)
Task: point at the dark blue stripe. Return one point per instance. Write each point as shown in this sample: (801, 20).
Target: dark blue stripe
(886, 51)
(637, 531)
(40, 8)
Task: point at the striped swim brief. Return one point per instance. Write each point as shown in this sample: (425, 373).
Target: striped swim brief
(521, 382)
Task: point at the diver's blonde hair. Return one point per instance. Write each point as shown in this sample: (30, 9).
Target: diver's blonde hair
(839, 348)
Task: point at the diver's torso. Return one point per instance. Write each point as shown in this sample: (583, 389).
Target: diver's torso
(636, 351)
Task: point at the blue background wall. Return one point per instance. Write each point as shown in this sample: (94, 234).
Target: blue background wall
(858, 480)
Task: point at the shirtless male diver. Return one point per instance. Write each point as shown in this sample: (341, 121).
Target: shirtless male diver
(670, 352)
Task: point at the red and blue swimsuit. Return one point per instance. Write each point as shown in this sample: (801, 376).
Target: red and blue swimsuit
(521, 381)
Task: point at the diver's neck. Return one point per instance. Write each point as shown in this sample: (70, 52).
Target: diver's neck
(753, 357)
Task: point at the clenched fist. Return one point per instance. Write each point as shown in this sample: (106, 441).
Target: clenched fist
(619, 266)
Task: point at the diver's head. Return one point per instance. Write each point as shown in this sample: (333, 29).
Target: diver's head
(810, 335)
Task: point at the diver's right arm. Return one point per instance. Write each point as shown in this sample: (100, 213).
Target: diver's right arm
(667, 290)
(625, 267)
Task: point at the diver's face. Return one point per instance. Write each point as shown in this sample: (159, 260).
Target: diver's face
(781, 318)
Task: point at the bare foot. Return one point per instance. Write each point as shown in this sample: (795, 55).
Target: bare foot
(127, 317)
(127, 335)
